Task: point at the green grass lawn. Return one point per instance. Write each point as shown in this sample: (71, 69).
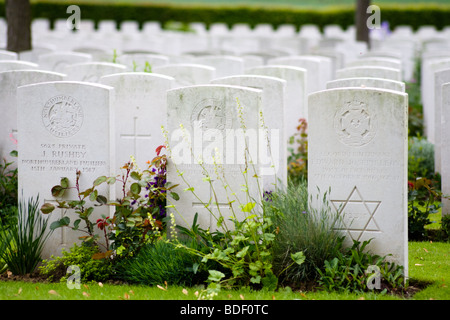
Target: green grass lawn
(428, 263)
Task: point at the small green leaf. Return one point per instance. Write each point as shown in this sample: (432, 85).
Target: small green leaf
(76, 223)
(135, 175)
(14, 153)
(57, 191)
(256, 279)
(298, 257)
(111, 180)
(175, 196)
(64, 182)
(102, 199)
(270, 281)
(248, 207)
(100, 180)
(47, 208)
(243, 252)
(93, 195)
(135, 188)
(60, 223)
(215, 275)
(89, 211)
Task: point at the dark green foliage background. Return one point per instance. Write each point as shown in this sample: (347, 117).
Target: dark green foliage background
(412, 14)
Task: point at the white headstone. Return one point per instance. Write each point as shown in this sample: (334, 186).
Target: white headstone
(9, 82)
(441, 77)
(99, 52)
(7, 65)
(319, 69)
(64, 127)
(212, 119)
(142, 61)
(224, 65)
(57, 61)
(33, 54)
(8, 55)
(367, 83)
(187, 74)
(445, 148)
(140, 109)
(357, 152)
(376, 62)
(273, 91)
(369, 71)
(429, 67)
(295, 105)
(92, 71)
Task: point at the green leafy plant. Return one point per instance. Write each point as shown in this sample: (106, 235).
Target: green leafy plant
(422, 201)
(243, 247)
(160, 262)
(445, 227)
(80, 206)
(8, 189)
(55, 268)
(301, 228)
(348, 271)
(420, 158)
(138, 216)
(21, 244)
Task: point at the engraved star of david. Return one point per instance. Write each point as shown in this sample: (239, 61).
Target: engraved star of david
(357, 214)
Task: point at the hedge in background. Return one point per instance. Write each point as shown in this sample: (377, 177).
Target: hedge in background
(413, 15)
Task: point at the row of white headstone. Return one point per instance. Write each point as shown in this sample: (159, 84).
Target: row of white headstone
(94, 115)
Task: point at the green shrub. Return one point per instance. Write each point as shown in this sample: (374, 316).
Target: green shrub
(301, 228)
(90, 269)
(350, 271)
(8, 191)
(413, 15)
(420, 158)
(298, 154)
(422, 201)
(162, 262)
(21, 243)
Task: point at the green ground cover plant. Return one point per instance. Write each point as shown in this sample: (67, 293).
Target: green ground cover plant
(429, 269)
(21, 243)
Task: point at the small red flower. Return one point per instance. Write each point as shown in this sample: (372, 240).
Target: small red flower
(102, 223)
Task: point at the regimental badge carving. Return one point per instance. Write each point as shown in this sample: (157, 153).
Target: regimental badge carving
(355, 124)
(62, 116)
(211, 114)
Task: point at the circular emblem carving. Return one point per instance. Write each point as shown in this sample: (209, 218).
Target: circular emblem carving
(62, 116)
(354, 124)
(211, 114)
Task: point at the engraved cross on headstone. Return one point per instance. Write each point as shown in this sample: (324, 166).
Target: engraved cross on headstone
(212, 203)
(135, 137)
